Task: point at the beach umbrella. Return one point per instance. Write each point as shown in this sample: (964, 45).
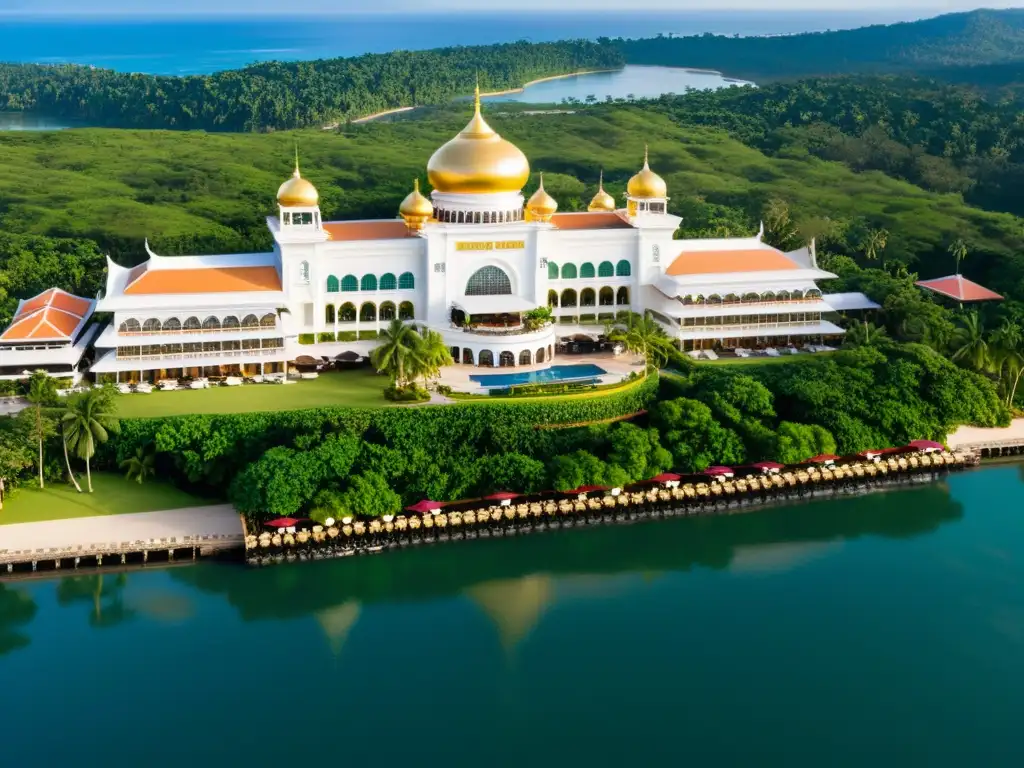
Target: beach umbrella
(584, 489)
(927, 445)
(505, 497)
(282, 522)
(718, 472)
(769, 466)
(425, 506)
(666, 477)
(825, 458)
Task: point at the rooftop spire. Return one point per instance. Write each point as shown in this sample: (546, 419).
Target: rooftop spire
(296, 174)
(646, 166)
(600, 181)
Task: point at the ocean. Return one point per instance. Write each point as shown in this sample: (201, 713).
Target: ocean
(201, 46)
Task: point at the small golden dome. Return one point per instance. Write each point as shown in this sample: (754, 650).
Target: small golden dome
(416, 209)
(646, 183)
(541, 206)
(296, 191)
(478, 161)
(602, 201)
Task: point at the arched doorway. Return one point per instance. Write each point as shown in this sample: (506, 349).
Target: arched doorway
(540, 355)
(524, 357)
(489, 281)
(506, 359)
(467, 356)
(486, 358)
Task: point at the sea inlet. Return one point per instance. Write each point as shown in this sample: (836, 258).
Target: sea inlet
(884, 629)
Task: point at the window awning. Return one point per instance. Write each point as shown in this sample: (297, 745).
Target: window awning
(489, 305)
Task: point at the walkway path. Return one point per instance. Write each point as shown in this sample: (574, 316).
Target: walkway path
(972, 435)
(219, 520)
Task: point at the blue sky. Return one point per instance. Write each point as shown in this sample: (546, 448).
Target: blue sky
(275, 7)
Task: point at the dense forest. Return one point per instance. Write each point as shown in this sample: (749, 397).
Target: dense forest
(275, 95)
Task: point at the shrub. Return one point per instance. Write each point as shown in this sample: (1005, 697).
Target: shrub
(444, 389)
(366, 335)
(409, 394)
(346, 336)
(306, 338)
(326, 336)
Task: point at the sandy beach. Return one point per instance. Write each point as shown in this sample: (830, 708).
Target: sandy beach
(970, 435)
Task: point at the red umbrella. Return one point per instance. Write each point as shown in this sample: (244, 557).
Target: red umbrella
(768, 465)
(587, 489)
(822, 459)
(282, 522)
(927, 445)
(502, 496)
(424, 506)
(666, 477)
(719, 472)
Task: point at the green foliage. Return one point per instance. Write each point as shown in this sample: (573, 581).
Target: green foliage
(505, 471)
(326, 336)
(577, 469)
(307, 338)
(140, 466)
(799, 442)
(407, 394)
(696, 440)
(90, 418)
(369, 494)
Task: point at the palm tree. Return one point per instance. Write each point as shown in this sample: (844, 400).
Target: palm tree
(433, 354)
(874, 243)
(89, 419)
(1007, 358)
(970, 345)
(865, 335)
(958, 250)
(398, 352)
(643, 336)
(139, 466)
(41, 390)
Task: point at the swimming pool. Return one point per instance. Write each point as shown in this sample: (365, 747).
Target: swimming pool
(548, 375)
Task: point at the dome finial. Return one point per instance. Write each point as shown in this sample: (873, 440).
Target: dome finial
(600, 180)
(297, 175)
(646, 166)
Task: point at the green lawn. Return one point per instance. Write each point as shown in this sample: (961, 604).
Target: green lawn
(358, 388)
(112, 495)
(763, 360)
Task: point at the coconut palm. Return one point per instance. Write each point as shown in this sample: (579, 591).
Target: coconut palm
(139, 466)
(874, 243)
(432, 355)
(88, 422)
(643, 336)
(969, 343)
(42, 390)
(865, 335)
(958, 250)
(398, 352)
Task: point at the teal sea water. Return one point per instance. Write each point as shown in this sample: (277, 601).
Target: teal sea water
(885, 630)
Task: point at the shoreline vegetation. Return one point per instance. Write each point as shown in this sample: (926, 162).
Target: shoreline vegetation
(524, 86)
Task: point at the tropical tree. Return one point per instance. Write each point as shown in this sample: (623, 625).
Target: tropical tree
(433, 354)
(969, 343)
(88, 422)
(874, 243)
(1007, 358)
(958, 250)
(398, 353)
(42, 390)
(643, 336)
(140, 466)
(865, 335)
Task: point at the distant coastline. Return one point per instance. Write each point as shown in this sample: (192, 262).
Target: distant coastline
(546, 79)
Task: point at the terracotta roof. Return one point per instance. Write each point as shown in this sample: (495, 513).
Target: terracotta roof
(720, 262)
(204, 280)
(366, 230)
(589, 220)
(960, 288)
(53, 315)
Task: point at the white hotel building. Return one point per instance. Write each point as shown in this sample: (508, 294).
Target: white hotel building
(467, 261)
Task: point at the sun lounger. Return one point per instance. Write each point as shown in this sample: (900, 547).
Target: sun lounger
(742, 353)
(124, 389)
(232, 381)
(694, 354)
(309, 375)
(772, 352)
(144, 388)
(199, 384)
(710, 354)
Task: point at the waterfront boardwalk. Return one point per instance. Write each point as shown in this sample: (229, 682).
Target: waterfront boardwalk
(989, 441)
(203, 529)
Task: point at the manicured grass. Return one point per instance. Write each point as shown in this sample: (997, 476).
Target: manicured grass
(357, 388)
(763, 360)
(112, 494)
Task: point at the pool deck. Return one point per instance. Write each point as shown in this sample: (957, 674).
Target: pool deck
(617, 367)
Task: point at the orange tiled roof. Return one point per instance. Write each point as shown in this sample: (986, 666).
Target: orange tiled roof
(590, 220)
(204, 280)
(52, 315)
(366, 230)
(719, 262)
(960, 288)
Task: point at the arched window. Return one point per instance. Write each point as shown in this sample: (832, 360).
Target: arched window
(349, 283)
(813, 293)
(587, 270)
(329, 313)
(524, 357)
(192, 324)
(347, 312)
(268, 321)
(249, 321)
(230, 323)
(332, 284)
(304, 272)
(368, 283)
(587, 297)
(552, 271)
(783, 296)
(368, 312)
(387, 311)
(622, 296)
(622, 269)
(487, 217)
(405, 311)
(540, 355)
(388, 282)
(131, 325)
(506, 359)
(605, 269)
(461, 219)
(406, 281)
(568, 298)
(798, 294)
(488, 281)
(552, 298)
(551, 352)
(714, 298)
(751, 297)
(606, 297)
(486, 358)
(467, 356)
(151, 326)
(211, 324)
(568, 271)
(731, 298)
(768, 296)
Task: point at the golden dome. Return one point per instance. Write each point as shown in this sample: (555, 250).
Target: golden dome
(416, 208)
(602, 201)
(296, 191)
(541, 206)
(646, 183)
(478, 161)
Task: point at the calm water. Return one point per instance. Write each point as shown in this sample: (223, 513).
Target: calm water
(884, 630)
(554, 373)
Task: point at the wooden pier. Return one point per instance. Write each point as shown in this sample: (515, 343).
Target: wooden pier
(994, 449)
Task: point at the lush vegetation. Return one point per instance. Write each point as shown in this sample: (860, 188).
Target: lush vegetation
(958, 39)
(276, 95)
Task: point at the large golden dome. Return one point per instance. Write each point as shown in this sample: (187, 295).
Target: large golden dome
(478, 161)
(296, 191)
(647, 183)
(602, 201)
(541, 206)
